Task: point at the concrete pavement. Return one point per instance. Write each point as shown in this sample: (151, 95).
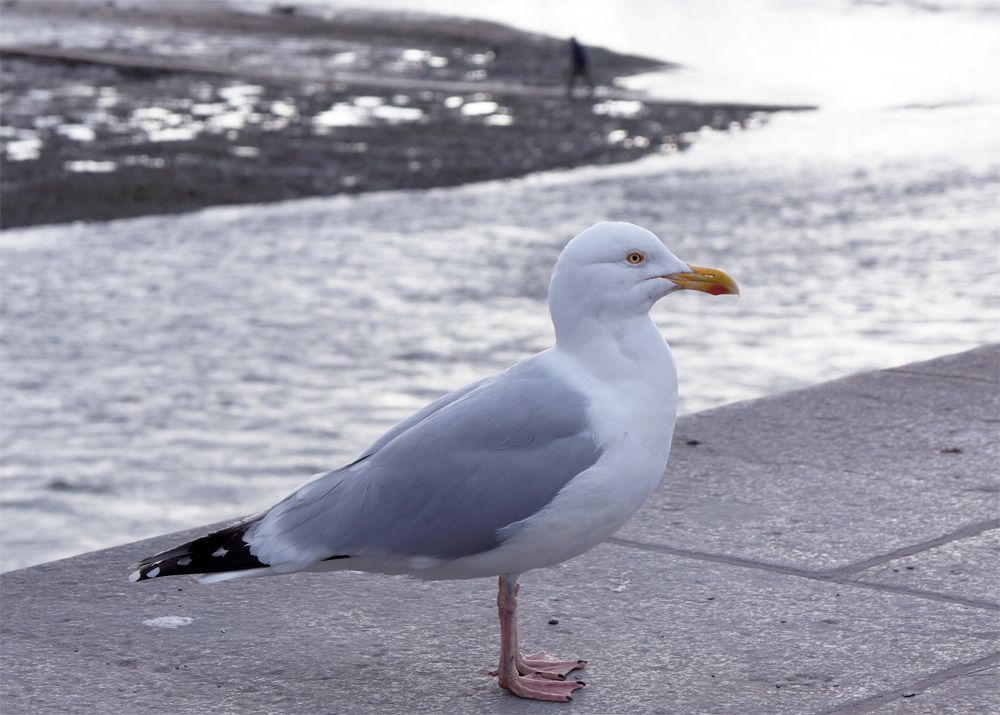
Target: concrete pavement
(831, 550)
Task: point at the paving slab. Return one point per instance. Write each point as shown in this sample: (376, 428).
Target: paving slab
(736, 621)
(663, 634)
(965, 567)
(825, 477)
(978, 364)
(975, 692)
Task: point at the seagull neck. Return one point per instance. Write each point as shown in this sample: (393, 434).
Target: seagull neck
(606, 346)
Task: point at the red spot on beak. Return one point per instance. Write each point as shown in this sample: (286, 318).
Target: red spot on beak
(718, 290)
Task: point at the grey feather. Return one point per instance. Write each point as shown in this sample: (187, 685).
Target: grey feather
(442, 483)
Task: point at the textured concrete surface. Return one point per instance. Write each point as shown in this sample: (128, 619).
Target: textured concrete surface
(910, 453)
(958, 696)
(956, 568)
(768, 575)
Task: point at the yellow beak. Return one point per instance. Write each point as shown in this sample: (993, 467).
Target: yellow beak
(707, 280)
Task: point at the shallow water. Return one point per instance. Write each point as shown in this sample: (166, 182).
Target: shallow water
(164, 372)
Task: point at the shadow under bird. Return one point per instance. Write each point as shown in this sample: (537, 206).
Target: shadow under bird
(521, 470)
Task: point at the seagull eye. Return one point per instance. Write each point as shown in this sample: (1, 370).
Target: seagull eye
(635, 258)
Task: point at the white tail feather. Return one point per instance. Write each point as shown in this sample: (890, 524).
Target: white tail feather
(231, 575)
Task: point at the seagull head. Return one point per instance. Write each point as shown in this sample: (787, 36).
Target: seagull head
(618, 270)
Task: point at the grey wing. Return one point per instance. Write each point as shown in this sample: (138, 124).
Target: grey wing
(442, 488)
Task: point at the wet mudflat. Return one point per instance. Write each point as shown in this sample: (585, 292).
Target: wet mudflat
(92, 142)
(85, 140)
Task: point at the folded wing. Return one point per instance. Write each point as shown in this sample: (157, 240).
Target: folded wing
(442, 484)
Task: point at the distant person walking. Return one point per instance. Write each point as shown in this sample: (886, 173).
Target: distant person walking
(579, 67)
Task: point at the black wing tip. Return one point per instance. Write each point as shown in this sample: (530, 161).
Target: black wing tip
(222, 550)
(163, 564)
(145, 571)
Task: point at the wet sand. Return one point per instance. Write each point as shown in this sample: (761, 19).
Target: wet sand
(384, 102)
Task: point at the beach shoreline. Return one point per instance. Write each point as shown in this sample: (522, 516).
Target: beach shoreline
(99, 123)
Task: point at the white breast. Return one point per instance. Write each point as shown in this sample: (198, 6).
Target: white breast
(632, 411)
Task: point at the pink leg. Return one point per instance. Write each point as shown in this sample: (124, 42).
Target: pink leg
(537, 677)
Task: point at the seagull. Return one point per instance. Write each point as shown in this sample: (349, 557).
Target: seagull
(519, 471)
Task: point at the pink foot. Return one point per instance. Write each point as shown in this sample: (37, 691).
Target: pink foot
(542, 665)
(537, 676)
(534, 687)
(546, 666)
